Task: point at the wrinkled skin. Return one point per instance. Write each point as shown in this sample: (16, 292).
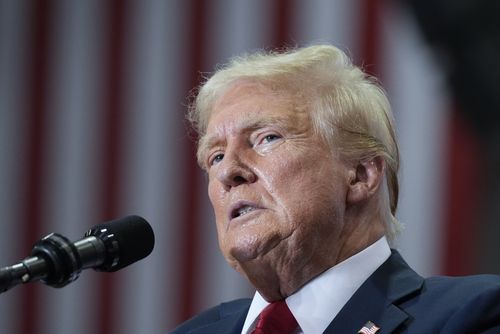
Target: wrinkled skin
(286, 206)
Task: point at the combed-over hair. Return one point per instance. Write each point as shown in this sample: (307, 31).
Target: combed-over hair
(347, 106)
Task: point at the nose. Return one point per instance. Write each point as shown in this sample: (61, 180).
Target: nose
(234, 171)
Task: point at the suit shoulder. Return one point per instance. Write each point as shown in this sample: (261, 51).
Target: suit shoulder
(463, 285)
(212, 315)
(472, 302)
(450, 294)
(466, 304)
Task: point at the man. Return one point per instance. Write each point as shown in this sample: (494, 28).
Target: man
(302, 163)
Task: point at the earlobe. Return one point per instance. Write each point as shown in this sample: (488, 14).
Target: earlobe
(365, 180)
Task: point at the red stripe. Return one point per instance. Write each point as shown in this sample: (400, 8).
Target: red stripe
(282, 18)
(190, 224)
(370, 35)
(112, 127)
(34, 159)
(464, 166)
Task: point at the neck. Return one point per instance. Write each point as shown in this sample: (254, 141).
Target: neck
(278, 280)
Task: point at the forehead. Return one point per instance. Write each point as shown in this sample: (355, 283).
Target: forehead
(254, 99)
(253, 105)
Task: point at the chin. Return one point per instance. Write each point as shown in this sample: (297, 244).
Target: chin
(244, 252)
(250, 244)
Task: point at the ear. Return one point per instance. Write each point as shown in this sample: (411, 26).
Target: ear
(366, 179)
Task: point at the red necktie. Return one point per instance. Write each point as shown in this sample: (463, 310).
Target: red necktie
(276, 318)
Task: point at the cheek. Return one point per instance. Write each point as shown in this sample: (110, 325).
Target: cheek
(220, 212)
(220, 224)
(215, 194)
(279, 173)
(292, 175)
(316, 192)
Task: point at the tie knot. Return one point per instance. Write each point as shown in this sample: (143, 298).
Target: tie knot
(276, 318)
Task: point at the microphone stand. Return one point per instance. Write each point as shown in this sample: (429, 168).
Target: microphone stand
(54, 261)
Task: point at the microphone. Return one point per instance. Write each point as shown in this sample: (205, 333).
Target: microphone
(107, 247)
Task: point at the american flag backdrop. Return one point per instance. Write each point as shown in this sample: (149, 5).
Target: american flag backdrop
(92, 101)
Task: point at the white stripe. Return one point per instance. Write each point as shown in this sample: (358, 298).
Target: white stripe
(327, 21)
(71, 154)
(237, 26)
(152, 180)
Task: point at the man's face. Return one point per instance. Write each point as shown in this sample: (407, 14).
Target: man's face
(277, 189)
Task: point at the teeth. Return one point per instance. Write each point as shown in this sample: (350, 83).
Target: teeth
(244, 210)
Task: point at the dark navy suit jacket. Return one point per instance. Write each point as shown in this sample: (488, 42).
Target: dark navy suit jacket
(394, 298)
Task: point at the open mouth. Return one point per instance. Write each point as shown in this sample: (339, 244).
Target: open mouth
(241, 211)
(242, 208)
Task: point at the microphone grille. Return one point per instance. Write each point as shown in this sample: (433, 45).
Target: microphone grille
(127, 240)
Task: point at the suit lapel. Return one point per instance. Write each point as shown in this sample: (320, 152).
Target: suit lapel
(231, 320)
(377, 299)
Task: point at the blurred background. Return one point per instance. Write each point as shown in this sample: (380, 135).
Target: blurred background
(92, 101)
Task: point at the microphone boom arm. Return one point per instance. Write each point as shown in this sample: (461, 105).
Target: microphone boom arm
(55, 261)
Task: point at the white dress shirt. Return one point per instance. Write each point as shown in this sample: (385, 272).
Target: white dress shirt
(318, 302)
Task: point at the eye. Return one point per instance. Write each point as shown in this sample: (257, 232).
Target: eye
(270, 138)
(267, 141)
(215, 159)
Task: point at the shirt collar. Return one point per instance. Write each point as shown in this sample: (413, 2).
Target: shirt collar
(317, 303)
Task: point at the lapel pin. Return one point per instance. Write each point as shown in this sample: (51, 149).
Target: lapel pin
(368, 328)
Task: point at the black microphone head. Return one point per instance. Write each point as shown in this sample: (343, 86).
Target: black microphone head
(126, 240)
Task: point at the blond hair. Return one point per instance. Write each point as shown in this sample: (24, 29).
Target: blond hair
(348, 107)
